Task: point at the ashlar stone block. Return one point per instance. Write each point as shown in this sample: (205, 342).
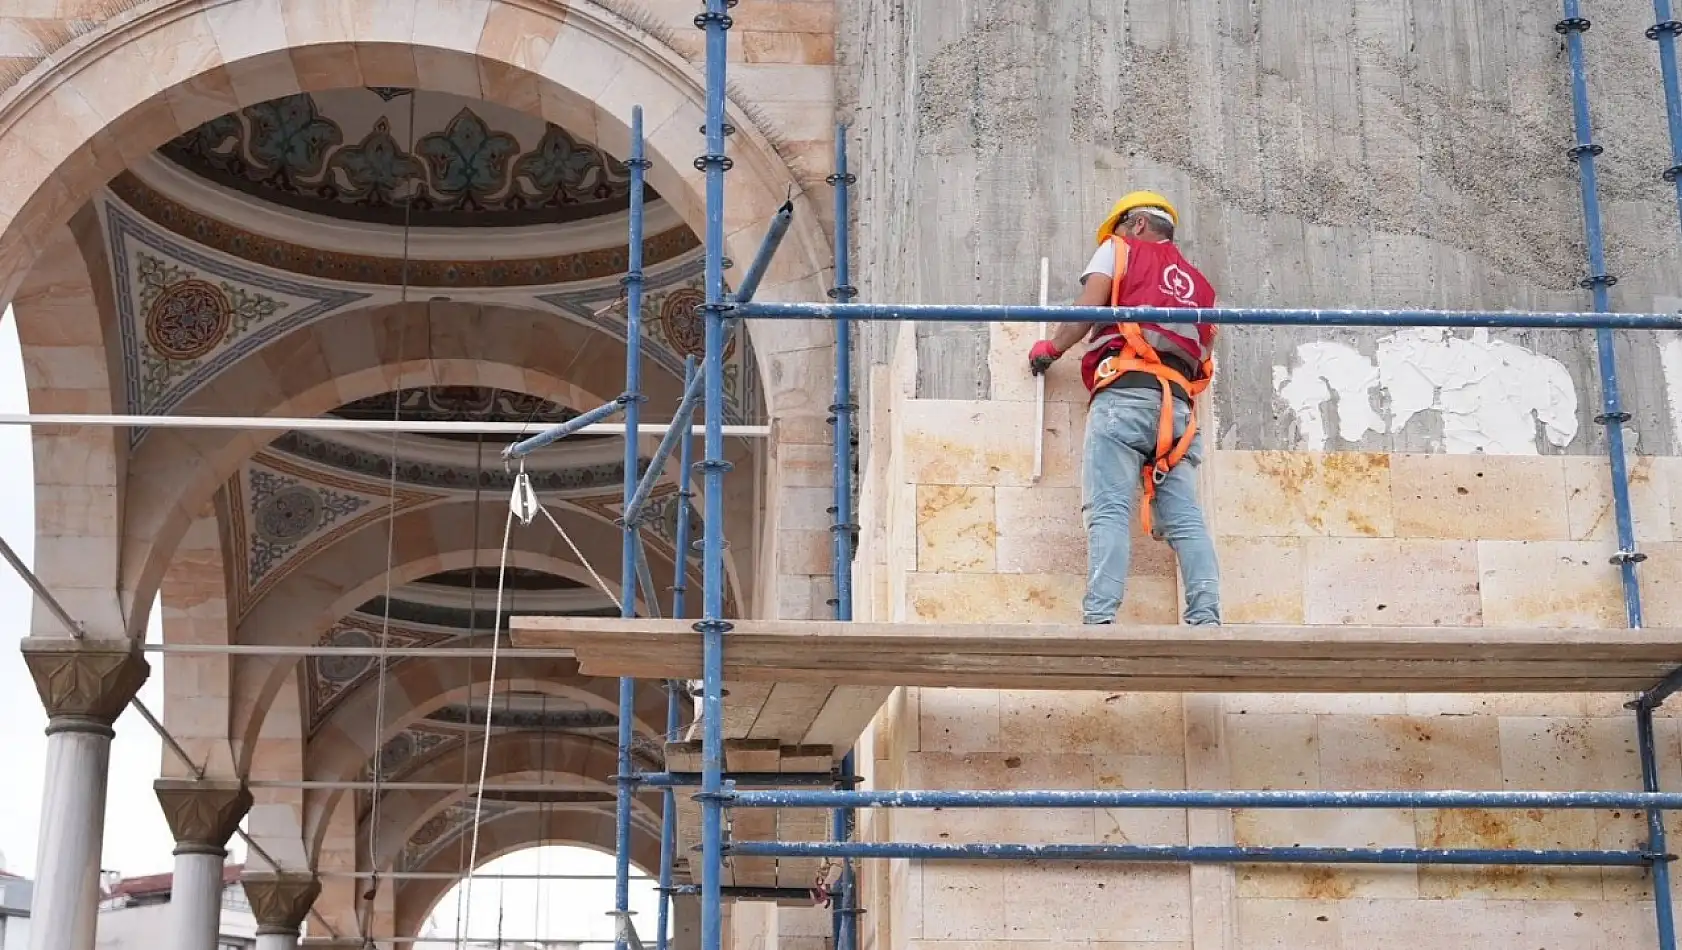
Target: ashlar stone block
(968, 442)
(1391, 582)
(997, 598)
(1468, 497)
(1269, 494)
(956, 528)
(1262, 579)
(1588, 498)
(1550, 584)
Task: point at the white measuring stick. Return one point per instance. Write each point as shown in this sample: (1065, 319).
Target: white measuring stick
(1039, 381)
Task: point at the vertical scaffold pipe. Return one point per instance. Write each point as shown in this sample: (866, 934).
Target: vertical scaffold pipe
(841, 414)
(628, 561)
(712, 626)
(1613, 416)
(1599, 282)
(680, 583)
(1662, 906)
(1665, 29)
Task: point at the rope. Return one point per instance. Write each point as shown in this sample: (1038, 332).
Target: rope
(490, 696)
(390, 556)
(472, 632)
(580, 554)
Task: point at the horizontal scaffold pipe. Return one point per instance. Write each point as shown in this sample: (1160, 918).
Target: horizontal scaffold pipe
(322, 649)
(1004, 313)
(332, 424)
(1197, 798)
(688, 779)
(1180, 854)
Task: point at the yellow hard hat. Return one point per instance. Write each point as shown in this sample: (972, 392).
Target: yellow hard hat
(1129, 202)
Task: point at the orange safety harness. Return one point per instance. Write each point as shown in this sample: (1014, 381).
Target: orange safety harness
(1137, 356)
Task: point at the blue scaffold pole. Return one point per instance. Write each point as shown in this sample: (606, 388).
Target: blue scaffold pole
(1612, 416)
(845, 929)
(628, 561)
(674, 688)
(1011, 313)
(1183, 854)
(525, 447)
(1198, 798)
(1665, 30)
(715, 21)
(679, 428)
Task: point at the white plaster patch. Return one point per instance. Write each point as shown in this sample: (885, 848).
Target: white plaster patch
(1670, 363)
(1670, 360)
(1489, 394)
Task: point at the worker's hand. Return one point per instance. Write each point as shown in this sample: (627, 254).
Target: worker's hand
(1042, 356)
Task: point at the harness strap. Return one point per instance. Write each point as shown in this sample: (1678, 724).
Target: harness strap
(1137, 355)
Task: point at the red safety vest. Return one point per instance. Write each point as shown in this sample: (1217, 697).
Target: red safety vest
(1154, 274)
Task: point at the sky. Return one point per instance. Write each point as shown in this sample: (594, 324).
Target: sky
(137, 839)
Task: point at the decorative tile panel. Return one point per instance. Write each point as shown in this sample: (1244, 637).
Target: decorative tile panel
(184, 315)
(332, 678)
(283, 513)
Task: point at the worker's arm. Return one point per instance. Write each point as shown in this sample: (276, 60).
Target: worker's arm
(1094, 292)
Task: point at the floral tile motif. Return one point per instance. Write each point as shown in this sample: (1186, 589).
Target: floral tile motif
(285, 512)
(184, 316)
(368, 269)
(445, 827)
(337, 154)
(332, 678)
(282, 513)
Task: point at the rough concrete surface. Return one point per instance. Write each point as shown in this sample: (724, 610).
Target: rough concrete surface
(1334, 153)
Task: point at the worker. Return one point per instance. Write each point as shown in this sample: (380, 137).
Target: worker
(1141, 423)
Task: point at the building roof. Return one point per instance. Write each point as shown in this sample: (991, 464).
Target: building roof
(153, 885)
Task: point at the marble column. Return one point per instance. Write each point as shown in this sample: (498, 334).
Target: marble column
(280, 902)
(84, 685)
(203, 815)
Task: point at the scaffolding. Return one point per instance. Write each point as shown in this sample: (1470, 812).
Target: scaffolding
(718, 789)
(835, 790)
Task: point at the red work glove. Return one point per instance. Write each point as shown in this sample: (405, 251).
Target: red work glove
(1042, 356)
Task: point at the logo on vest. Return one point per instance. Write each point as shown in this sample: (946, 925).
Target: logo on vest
(1178, 284)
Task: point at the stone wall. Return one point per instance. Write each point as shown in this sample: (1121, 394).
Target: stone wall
(956, 531)
(1322, 155)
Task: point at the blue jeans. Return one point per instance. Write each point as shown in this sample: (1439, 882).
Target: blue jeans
(1120, 437)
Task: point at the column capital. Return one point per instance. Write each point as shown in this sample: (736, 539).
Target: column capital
(280, 900)
(202, 814)
(84, 683)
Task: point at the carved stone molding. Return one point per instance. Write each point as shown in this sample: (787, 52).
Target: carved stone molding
(202, 814)
(280, 902)
(84, 681)
(335, 943)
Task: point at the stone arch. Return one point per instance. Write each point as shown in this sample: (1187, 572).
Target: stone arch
(346, 358)
(118, 92)
(418, 688)
(300, 608)
(582, 762)
(521, 830)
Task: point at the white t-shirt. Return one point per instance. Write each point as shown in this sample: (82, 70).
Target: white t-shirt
(1103, 261)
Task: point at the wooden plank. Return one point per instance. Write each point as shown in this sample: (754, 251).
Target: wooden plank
(844, 717)
(1139, 658)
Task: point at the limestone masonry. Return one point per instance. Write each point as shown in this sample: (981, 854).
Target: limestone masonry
(417, 210)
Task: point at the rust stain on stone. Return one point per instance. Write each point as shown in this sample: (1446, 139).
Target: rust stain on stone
(1325, 884)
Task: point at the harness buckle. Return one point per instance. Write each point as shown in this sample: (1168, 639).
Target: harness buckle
(1159, 474)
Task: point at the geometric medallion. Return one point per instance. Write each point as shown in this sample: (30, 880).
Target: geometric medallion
(188, 319)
